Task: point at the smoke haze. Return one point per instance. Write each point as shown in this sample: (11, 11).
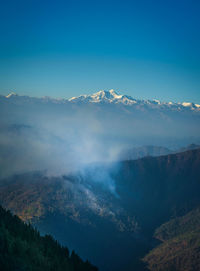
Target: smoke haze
(60, 138)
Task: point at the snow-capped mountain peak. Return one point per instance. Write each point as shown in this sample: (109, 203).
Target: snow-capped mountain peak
(104, 96)
(111, 96)
(11, 95)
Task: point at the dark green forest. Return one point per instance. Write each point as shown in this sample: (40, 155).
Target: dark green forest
(22, 248)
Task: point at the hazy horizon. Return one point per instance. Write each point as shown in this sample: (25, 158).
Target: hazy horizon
(88, 93)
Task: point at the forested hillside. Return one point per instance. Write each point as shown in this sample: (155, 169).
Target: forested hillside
(111, 211)
(23, 249)
(180, 248)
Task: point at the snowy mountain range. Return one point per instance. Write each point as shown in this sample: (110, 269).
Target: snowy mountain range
(105, 96)
(60, 134)
(111, 97)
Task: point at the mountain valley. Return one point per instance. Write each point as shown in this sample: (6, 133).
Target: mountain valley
(80, 209)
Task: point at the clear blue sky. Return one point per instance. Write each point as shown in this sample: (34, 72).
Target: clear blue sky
(144, 48)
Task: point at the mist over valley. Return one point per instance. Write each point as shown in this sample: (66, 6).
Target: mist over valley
(101, 172)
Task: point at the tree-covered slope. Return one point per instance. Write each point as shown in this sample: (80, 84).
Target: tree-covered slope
(23, 249)
(180, 248)
(110, 207)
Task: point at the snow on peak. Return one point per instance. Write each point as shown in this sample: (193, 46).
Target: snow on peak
(191, 105)
(11, 95)
(157, 101)
(187, 104)
(111, 96)
(104, 96)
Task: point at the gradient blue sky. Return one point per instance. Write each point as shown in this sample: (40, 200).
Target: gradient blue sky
(146, 49)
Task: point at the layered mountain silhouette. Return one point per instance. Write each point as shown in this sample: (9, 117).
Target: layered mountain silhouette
(62, 135)
(112, 96)
(116, 208)
(105, 96)
(143, 151)
(106, 174)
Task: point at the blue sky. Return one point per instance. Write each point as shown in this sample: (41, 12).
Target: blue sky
(147, 49)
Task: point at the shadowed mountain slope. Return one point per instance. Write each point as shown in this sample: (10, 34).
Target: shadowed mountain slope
(22, 248)
(180, 248)
(113, 207)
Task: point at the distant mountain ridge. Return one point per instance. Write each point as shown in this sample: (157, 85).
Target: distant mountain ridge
(144, 151)
(112, 97)
(101, 125)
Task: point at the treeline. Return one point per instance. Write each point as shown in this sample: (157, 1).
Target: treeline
(23, 249)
